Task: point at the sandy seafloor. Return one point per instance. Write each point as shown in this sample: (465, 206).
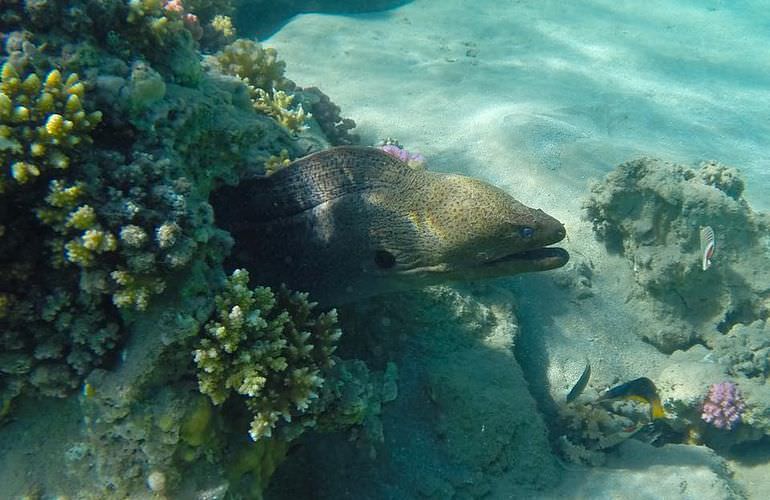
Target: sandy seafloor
(539, 97)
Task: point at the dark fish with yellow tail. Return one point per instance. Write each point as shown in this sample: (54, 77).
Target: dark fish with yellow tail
(640, 389)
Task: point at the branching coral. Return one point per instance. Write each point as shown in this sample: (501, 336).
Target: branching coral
(138, 215)
(723, 406)
(258, 66)
(53, 334)
(42, 121)
(262, 72)
(277, 162)
(279, 105)
(267, 347)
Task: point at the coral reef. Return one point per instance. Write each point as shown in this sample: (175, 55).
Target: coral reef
(711, 319)
(463, 432)
(651, 212)
(41, 122)
(693, 384)
(262, 72)
(724, 406)
(112, 136)
(267, 347)
(110, 255)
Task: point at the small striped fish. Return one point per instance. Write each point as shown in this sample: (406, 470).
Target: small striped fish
(707, 245)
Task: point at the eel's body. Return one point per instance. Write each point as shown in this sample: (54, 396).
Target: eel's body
(353, 222)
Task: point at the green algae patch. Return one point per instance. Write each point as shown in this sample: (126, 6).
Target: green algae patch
(197, 426)
(253, 465)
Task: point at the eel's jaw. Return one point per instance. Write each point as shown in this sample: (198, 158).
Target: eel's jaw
(539, 259)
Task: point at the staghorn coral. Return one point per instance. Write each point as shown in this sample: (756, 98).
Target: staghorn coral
(42, 122)
(268, 348)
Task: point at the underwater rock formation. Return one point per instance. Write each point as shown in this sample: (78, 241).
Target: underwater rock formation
(697, 392)
(651, 212)
(744, 349)
(464, 423)
(710, 318)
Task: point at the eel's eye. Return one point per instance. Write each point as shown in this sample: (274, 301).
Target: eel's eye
(384, 259)
(526, 232)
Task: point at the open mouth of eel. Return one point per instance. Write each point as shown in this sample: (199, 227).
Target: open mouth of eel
(539, 258)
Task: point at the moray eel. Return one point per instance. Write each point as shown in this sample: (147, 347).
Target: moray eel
(353, 222)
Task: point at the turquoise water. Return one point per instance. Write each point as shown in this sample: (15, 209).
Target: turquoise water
(155, 179)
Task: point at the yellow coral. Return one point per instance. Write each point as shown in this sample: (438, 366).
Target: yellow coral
(269, 348)
(41, 122)
(257, 66)
(98, 241)
(278, 104)
(83, 249)
(135, 290)
(82, 218)
(223, 25)
(276, 163)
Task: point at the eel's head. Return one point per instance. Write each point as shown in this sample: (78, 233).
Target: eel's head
(466, 229)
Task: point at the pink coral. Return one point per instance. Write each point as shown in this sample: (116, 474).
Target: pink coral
(723, 406)
(191, 21)
(174, 6)
(412, 159)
